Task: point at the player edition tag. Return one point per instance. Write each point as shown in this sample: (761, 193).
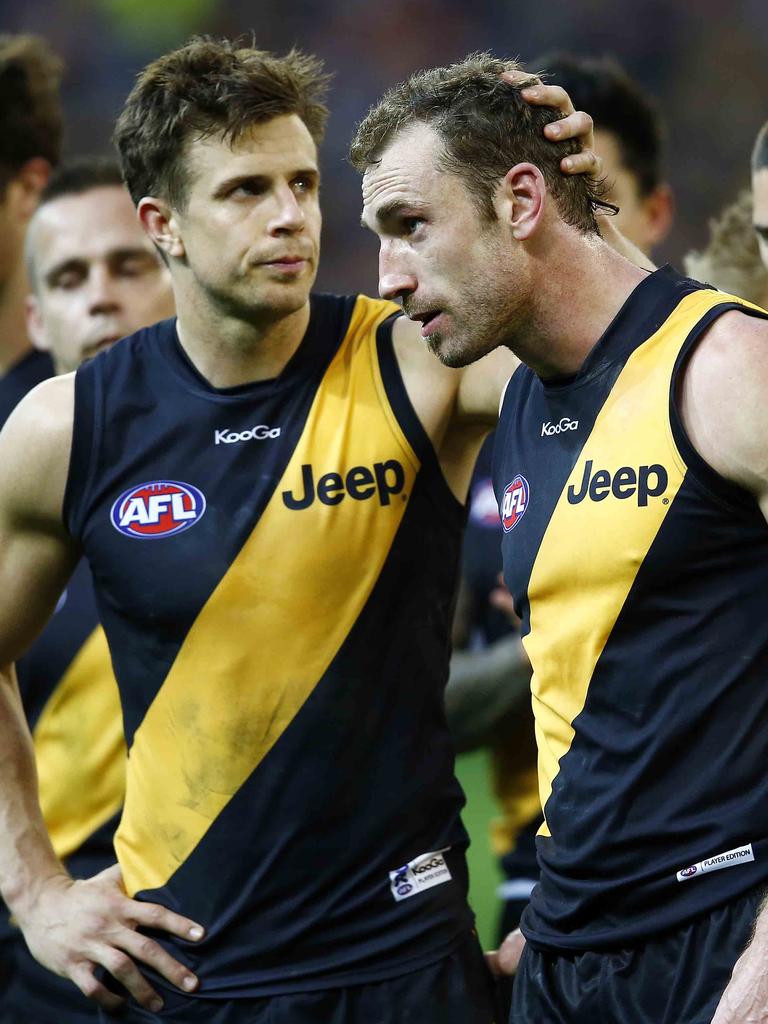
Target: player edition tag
(729, 859)
(421, 873)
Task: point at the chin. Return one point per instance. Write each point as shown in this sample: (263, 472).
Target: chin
(452, 353)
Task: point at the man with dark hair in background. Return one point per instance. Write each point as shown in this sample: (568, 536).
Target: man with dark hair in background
(269, 492)
(95, 277)
(635, 548)
(30, 145)
(483, 697)
(628, 138)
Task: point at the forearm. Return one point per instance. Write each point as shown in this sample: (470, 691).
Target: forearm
(27, 859)
(483, 687)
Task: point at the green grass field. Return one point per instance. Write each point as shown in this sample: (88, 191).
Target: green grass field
(484, 875)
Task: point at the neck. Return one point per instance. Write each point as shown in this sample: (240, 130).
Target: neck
(14, 342)
(580, 286)
(228, 350)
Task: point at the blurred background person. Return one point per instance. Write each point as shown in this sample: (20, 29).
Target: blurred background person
(731, 260)
(760, 191)
(95, 277)
(628, 137)
(30, 146)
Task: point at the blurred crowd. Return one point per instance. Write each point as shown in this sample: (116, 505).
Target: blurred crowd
(704, 65)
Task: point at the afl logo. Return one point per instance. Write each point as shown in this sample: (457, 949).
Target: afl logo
(514, 503)
(689, 872)
(157, 509)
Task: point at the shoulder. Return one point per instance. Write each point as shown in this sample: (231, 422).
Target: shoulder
(722, 399)
(34, 448)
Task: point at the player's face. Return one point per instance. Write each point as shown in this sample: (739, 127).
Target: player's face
(461, 275)
(251, 224)
(760, 211)
(97, 275)
(643, 219)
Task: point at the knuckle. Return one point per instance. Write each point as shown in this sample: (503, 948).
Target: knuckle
(146, 948)
(118, 963)
(88, 986)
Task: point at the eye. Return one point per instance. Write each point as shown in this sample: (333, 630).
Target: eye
(412, 224)
(304, 183)
(68, 279)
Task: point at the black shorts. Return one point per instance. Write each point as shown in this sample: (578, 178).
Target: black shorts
(455, 990)
(676, 978)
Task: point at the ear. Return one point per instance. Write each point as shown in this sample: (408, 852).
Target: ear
(521, 202)
(660, 208)
(27, 186)
(35, 327)
(160, 223)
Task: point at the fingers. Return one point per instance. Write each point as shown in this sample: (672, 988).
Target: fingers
(587, 162)
(82, 976)
(548, 96)
(578, 125)
(152, 915)
(141, 947)
(121, 967)
(518, 77)
(509, 952)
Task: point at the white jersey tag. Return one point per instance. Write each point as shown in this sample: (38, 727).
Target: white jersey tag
(729, 859)
(418, 874)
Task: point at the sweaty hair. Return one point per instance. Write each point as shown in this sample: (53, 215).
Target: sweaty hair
(760, 152)
(209, 88)
(485, 127)
(30, 104)
(731, 260)
(81, 175)
(616, 104)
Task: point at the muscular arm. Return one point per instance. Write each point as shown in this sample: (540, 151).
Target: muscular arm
(722, 402)
(69, 926)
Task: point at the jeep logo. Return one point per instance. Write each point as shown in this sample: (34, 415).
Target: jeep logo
(645, 482)
(361, 483)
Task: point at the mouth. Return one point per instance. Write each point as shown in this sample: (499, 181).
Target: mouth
(97, 346)
(289, 264)
(429, 321)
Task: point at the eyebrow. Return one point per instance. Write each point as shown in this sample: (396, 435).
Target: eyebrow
(80, 262)
(389, 210)
(262, 179)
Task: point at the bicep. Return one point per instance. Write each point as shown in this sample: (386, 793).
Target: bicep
(38, 555)
(722, 401)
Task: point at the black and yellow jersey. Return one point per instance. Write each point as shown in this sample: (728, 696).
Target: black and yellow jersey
(275, 566)
(641, 577)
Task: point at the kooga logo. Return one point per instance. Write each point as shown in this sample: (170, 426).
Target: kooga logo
(548, 429)
(260, 433)
(643, 483)
(383, 479)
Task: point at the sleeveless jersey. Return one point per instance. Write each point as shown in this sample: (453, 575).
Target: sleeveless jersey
(641, 576)
(275, 566)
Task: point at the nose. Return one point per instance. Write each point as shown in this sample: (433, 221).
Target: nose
(289, 214)
(396, 280)
(102, 291)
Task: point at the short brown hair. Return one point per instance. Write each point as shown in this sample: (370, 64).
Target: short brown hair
(485, 127)
(206, 88)
(30, 104)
